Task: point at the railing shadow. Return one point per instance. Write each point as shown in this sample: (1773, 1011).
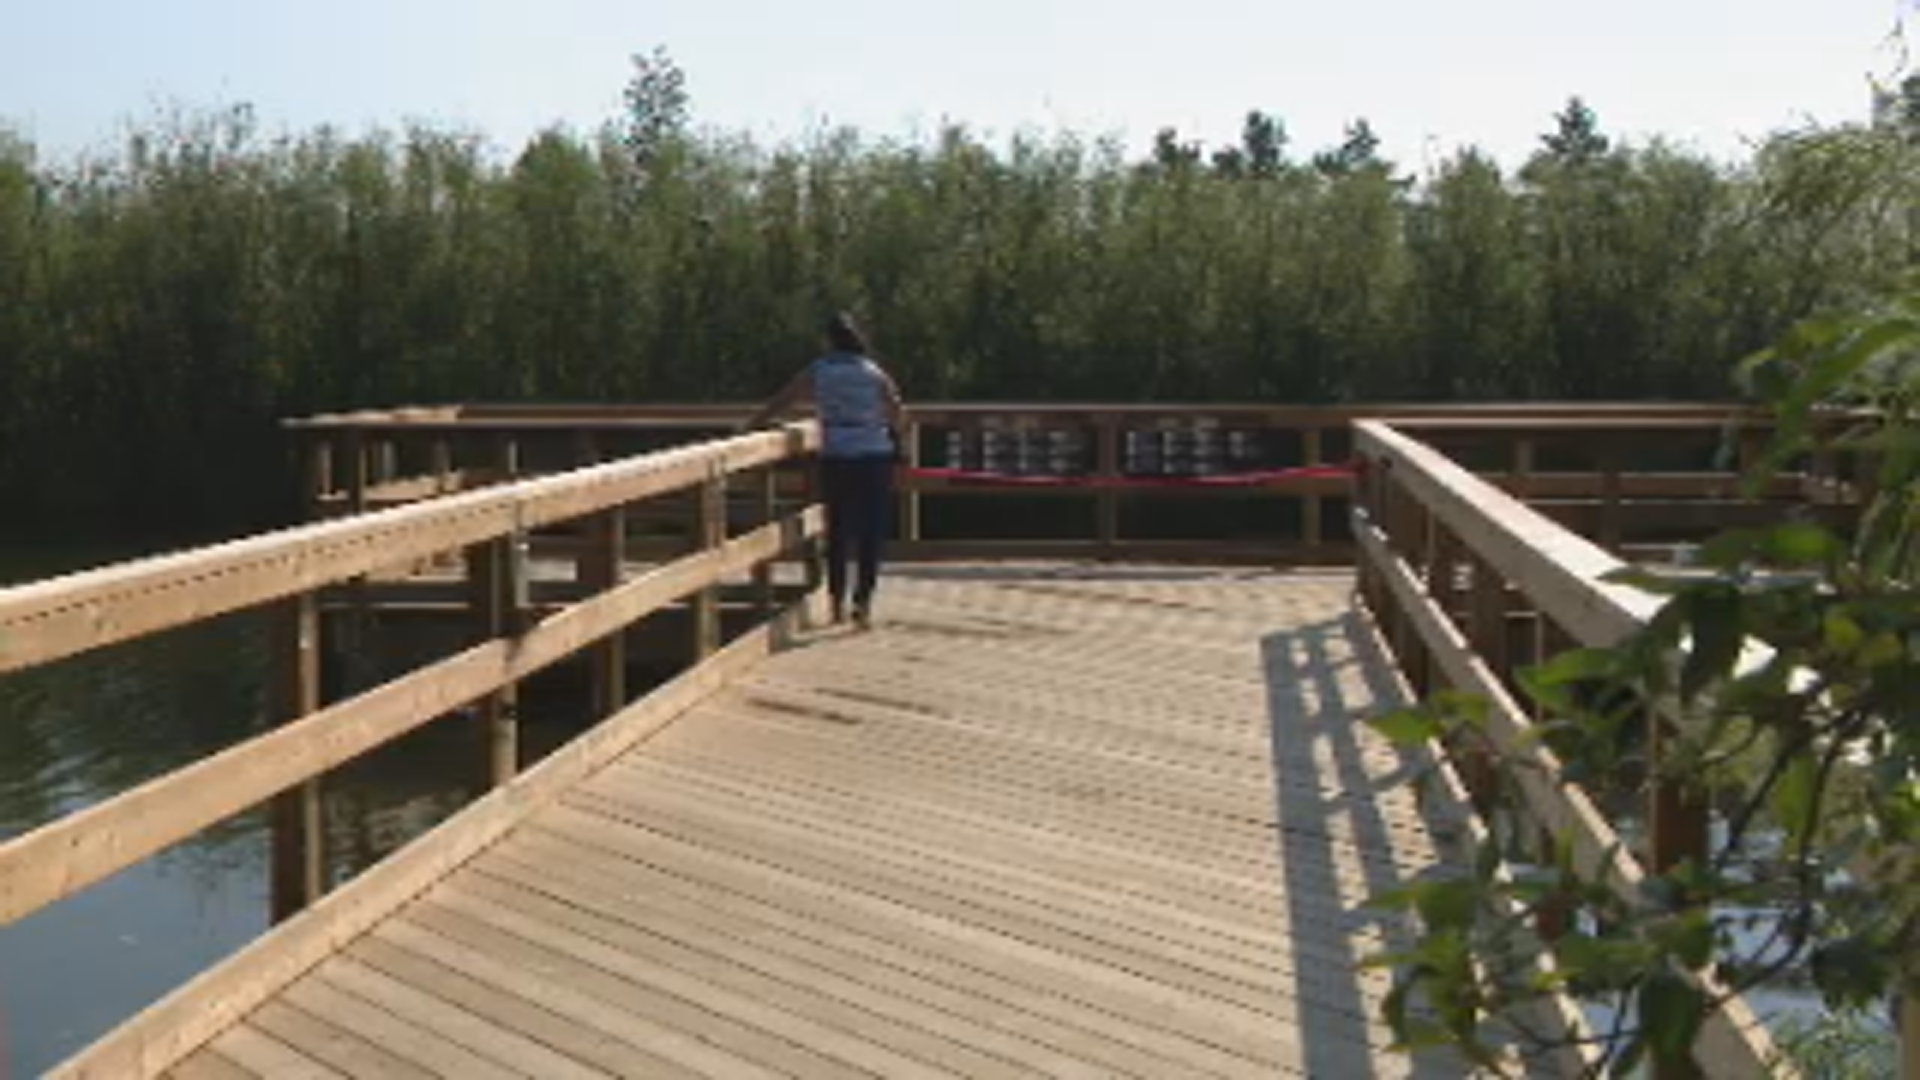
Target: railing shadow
(1337, 844)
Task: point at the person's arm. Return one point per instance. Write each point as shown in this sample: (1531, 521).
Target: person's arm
(798, 389)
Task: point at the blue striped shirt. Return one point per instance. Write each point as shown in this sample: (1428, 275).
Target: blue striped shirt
(850, 393)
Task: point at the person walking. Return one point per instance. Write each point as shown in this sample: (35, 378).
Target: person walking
(862, 421)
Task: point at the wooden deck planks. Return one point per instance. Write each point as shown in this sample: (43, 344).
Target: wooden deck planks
(1046, 821)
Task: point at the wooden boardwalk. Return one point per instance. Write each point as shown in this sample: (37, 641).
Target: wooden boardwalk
(1044, 821)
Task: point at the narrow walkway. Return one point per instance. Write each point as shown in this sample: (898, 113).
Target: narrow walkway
(1045, 821)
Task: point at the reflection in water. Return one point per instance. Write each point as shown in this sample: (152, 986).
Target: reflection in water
(77, 731)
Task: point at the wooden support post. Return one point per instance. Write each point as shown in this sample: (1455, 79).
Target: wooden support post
(355, 447)
(1677, 833)
(492, 572)
(709, 532)
(909, 495)
(602, 569)
(1106, 468)
(1487, 617)
(1553, 917)
(1523, 468)
(440, 461)
(768, 492)
(498, 586)
(1443, 573)
(1610, 497)
(1312, 507)
(298, 825)
(317, 471)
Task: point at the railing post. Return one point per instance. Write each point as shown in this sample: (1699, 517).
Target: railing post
(1106, 470)
(1610, 526)
(909, 494)
(440, 462)
(1312, 510)
(602, 568)
(498, 587)
(1677, 833)
(298, 827)
(355, 446)
(709, 532)
(317, 471)
(1522, 469)
(767, 489)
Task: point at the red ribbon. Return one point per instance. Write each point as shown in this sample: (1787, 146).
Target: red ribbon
(1264, 478)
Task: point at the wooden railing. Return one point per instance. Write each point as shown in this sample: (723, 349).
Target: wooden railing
(282, 572)
(1634, 475)
(1468, 585)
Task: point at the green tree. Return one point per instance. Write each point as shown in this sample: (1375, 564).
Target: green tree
(1576, 138)
(657, 105)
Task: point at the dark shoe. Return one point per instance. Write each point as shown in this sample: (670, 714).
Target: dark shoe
(862, 619)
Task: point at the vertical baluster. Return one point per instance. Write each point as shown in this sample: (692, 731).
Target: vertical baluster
(1312, 508)
(1676, 833)
(498, 590)
(709, 532)
(767, 489)
(297, 823)
(1106, 470)
(909, 484)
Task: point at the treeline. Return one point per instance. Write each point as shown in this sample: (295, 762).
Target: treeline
(161, 307)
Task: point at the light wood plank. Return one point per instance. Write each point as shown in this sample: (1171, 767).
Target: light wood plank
(1029, 999)
(514, 1011)
(552, 985)
(210, 1064)
(334, 1046)
(817, 995)
(252, 1049)
(425, 1048)
(755, 1032)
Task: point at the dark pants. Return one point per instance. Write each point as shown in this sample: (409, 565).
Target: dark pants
(858, 493)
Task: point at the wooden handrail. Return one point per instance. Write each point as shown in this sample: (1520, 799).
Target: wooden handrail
(63, 616)
(49, 620)
(62, 858)
(1418, 519)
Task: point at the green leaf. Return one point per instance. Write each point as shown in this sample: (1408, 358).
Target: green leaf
(1882, 649)
(1407, 727)
(1691, 938)
(1446, 905)
(1799, 544)
(1574, 666)
(1851, 972)
(1839, 632)
(1792, 797)
(1715, 621)
(1671, 1009)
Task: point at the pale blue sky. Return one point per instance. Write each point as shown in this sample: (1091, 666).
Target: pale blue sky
(1431, 75)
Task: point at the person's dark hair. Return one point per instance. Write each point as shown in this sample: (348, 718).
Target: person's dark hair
(844, 335)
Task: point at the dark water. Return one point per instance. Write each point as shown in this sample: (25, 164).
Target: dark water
(93, 726)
